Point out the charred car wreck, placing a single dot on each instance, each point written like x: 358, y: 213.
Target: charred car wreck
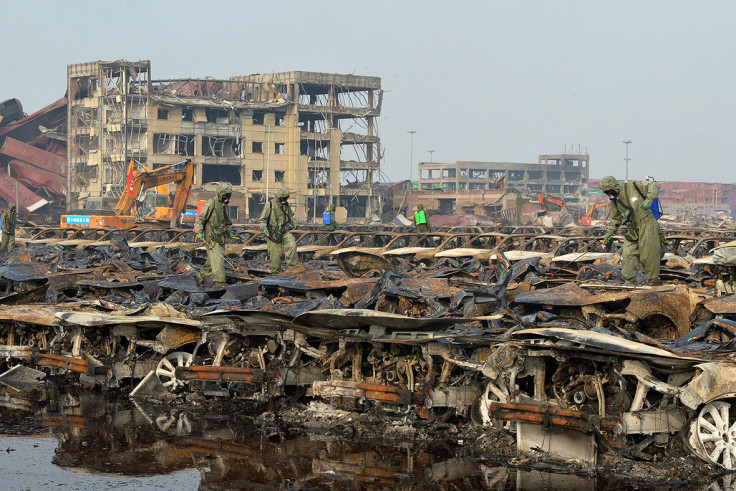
x: 559, y: 353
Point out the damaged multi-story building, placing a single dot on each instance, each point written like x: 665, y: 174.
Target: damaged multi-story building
x: 313, y: 133
x: 490, y: 187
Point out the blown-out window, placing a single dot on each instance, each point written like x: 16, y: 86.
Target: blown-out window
x: 221, y: 173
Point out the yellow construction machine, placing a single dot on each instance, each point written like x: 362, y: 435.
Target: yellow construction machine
x: 590, y: 215
x: 134, y: 207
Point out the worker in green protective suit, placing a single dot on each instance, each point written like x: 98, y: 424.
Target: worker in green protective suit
x: 212, y: 227
x: 277, y: 220
x: 7, y: 243
x: 328, y: 219
x: 420, y: 219
x: 632, y: 203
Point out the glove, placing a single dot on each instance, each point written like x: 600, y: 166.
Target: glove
x: 200, y: 237
x: 646, y: 205
x: 608, y: 238
x: 233, y: 236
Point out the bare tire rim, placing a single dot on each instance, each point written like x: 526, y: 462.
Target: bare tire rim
x: 717, y: 434
x: 166, y: 370
x: 178, y: 425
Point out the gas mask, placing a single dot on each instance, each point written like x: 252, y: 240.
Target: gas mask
x: 225, y: 198
x: 283, y: 200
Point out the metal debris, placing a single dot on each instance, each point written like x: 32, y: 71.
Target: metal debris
x: 478, y: 326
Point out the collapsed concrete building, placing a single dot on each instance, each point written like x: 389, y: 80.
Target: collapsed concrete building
x: 490, y: 188
x: 313, y: 133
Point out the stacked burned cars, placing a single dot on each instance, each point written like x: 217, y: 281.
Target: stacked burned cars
x: 534, y: 334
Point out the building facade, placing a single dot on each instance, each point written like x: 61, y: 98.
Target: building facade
x: 313, y: 133
x: 466, y: 184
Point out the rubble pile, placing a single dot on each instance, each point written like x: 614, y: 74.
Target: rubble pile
x: 33, y: 161
x: 530, y: 334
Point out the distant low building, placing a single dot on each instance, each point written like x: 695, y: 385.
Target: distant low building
x: 490, y: 188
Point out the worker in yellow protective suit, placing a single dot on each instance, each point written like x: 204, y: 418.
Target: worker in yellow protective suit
x: 632, y: 203
x: 212, y: 227
x: 8, y: 233
x: 420, y: 219
x: 277, y: 220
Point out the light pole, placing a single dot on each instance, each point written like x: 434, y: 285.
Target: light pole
x: 430, y: 152
x: 627, y: 159
x: 411, y: 158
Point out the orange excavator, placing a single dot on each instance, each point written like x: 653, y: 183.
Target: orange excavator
x: 550, y: 203
x: 590, y: 215
x: 156, y: 208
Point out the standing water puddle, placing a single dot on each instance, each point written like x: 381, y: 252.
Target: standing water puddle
x: 85, y: 441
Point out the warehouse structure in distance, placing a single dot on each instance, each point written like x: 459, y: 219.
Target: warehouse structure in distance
x: 490, y: 187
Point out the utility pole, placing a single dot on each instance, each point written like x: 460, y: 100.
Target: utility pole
x: 430, y: 152
x: 411, y: 158
x: 268, y: 158
x: 17, y: 199
x: 627, y: 159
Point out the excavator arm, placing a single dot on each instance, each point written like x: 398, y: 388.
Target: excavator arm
x: 182, y: 192
x: 590, y: 215
x: 595, y: 207
x: 546, y: 200
x: 181, y: 173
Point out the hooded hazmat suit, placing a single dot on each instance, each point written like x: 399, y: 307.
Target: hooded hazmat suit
x: 276, y: 221
x: 214, y: 223
x: 332, y: 225
x: 420, y: 219
x: 7, y: 243
x: 643, y: 240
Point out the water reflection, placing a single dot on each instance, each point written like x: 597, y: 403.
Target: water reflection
x: 230, y: 450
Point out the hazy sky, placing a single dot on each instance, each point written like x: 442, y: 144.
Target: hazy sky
x: 487, y: 81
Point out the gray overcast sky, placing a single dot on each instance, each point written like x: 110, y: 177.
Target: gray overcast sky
x: 487, y: 81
